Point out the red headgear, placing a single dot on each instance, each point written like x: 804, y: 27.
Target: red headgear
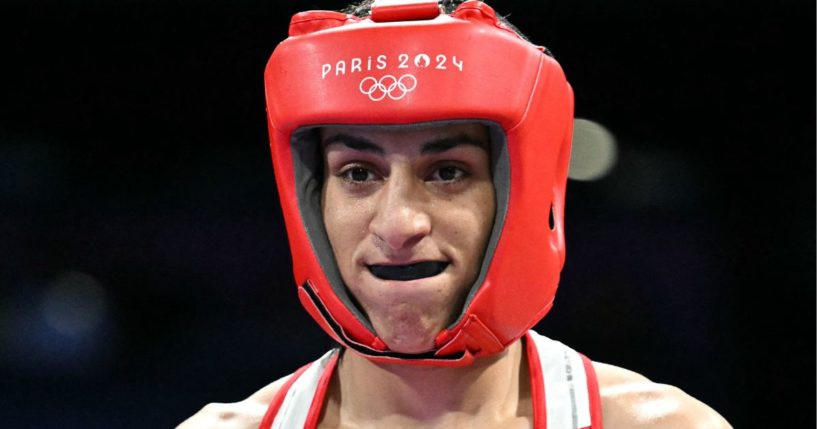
x: 408, y: 63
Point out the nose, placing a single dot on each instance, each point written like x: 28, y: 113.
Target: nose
x: 401, y: 219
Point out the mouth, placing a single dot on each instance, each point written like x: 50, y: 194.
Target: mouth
x: 408, y: 272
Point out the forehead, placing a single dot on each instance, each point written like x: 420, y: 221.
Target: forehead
x: 407, y: 135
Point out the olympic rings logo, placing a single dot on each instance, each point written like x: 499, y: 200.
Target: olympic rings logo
x: 388, y: 86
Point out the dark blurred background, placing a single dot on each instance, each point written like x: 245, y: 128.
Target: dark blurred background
x: 144, y: 267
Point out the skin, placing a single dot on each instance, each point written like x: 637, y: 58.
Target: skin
x: 399, y: 205
x: 402, y: 197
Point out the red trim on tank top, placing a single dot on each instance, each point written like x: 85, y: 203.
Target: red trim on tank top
x: 537, y: 385
x: 316, y: 406
x: 593, y: 393
x: 275, y: 405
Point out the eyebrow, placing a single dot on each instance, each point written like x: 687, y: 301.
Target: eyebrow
x: 448, y: 143
x: 354, y: 142
x: 432, y: 147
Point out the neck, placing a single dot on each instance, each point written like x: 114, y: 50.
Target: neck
x: 492, y: 390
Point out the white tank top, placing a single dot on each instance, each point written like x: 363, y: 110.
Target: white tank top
x: 564, y: 389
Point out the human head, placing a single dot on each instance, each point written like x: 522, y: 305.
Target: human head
x: 408, y: 212
x: 409, y: 65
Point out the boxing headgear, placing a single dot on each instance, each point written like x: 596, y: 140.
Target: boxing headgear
x: 406, y: 64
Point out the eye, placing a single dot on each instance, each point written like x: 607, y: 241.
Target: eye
x: 356, y: 174
x: 448, y: 173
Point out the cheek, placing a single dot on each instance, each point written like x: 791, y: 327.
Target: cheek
x: 344, y: 220
x: 333, y: 218
x: 470, y: 220
x: 483, y: 211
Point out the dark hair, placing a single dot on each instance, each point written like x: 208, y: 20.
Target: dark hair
x: 363, y: 9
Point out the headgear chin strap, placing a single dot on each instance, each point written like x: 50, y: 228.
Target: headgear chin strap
x: 408, y: 63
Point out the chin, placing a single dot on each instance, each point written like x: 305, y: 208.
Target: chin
x: 408, y: 336
x: 409, y: 345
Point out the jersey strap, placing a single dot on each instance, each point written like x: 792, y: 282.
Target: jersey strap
x: 564, y: 389
x: 302, y: 395
x: 570, y: 390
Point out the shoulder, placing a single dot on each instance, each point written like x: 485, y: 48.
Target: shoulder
x: 630, y: 400
x: 244, y: 414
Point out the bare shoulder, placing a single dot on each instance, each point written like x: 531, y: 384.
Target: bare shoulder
x: 630, y: 400
x: 243, y: 414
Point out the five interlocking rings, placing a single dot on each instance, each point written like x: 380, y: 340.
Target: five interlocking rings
x: 389, y: 86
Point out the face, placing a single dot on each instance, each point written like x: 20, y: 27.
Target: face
x: 408, y: 213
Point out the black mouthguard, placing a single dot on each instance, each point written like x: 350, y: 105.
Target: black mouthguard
x: 408, y: 272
